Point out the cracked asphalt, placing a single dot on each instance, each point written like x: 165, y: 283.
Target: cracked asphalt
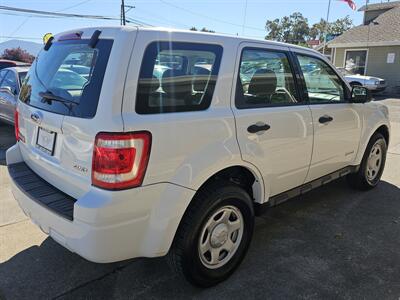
x: 333, y: 242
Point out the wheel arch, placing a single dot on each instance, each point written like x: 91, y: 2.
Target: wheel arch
x: 232, y: 172
x: 383, y: 129
x: 354, y: 82
x: 243, y: 175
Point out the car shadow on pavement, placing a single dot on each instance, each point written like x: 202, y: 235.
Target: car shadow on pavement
x: 7, y: 139
x: 333, y: 242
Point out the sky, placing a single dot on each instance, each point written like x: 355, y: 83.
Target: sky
x: 222, y: 16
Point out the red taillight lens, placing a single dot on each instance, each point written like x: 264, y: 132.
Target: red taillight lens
x: 16, y: 125
x: 120, y: 159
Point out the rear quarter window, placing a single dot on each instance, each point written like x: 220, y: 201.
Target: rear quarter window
x: 177, y: 77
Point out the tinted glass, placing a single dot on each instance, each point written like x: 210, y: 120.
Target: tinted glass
x: 265, y: 79
x: 22, y: 76
x: 177, y: 77
x: 10, y: 81
x: 6, y: 64
x: 2, y: 74
x: 322, y: 83
x: 56, y: 72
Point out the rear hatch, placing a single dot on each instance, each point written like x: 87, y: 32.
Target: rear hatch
x: 72, y: 91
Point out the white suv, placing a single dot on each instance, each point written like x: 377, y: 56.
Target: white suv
x: 171, y: 140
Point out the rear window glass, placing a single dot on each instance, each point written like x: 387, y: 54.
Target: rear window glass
x: 177, y: 77
x: 6, y: 64
x: 67, y: 79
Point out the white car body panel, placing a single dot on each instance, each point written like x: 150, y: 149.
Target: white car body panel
x: 74, y: 142
x: 187, y: 149
x: 283, y: 153
x: 336, y: 143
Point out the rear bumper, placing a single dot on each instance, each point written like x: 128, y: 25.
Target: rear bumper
x: 110, y: 226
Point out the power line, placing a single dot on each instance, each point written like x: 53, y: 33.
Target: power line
x: 29, y: 17
x: 19, y: 37
x: 138, y: 22
x: 208, y: 17
x: 57, y: 14
x: 156, y: 18
x: 73, y: 6
x: 19, y: 26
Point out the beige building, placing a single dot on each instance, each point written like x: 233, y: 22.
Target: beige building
x: 372, y: 48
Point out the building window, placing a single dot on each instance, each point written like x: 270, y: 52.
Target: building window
x: 356, y: 61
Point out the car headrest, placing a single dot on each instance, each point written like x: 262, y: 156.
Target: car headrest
x: 150, y: 85
x: 200, y: 79
x: 175, y: 83
x: 263, y: 82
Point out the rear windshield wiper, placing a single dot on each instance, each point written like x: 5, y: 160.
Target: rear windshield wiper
x: 49, y: 96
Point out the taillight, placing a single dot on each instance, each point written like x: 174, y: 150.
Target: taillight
x: 120, y: 159
x: 16, y: 125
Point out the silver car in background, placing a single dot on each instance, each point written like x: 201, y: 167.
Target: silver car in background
x: 374, y: 84
x: 10, y: 84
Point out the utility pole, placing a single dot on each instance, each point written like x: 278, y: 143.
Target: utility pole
x: 326, y: 26
x: 123, y: 19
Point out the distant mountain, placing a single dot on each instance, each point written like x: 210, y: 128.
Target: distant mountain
x: 30, y: 47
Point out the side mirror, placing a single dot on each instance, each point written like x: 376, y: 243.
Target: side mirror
x: 360, y: 94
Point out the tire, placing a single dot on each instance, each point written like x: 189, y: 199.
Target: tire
x: 367, y: 178
x: 213, y: 203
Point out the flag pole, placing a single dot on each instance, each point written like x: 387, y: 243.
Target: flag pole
x: 326, y: 26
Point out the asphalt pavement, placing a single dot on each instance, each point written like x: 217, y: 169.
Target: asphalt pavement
x: 333, y: 242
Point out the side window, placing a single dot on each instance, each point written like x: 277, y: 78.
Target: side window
x: 322, y: 83
x: 265, y: 79
x: 10, y: 81
x: 2, y: 73
x: 176, y: 77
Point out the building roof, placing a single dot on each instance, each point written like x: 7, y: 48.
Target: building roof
x: 383, y: 31
x: 379, y: 6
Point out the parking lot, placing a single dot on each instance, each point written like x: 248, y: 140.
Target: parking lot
x: 333, y: 242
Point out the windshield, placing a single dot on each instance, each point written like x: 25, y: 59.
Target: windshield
x: 71, y: 70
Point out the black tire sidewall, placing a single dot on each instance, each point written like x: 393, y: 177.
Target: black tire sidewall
x: 192, y: 265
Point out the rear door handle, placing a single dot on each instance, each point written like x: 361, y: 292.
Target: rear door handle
x: 325, y: 119
x: 258, y: 127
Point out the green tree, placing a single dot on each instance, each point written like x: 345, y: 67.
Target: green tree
x: 204, y: 29
x: 293, y: 29
x: 317, y: 31
x: 340, y: 25
x: 275, y: 30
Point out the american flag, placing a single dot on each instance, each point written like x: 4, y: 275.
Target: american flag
x: 350, y: 3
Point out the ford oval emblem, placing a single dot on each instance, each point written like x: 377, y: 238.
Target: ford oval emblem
x: 36, y: 118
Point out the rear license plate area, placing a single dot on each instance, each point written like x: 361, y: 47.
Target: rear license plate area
x: 45, y: 140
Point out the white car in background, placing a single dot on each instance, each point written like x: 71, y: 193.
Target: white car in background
x: 374, y: 84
